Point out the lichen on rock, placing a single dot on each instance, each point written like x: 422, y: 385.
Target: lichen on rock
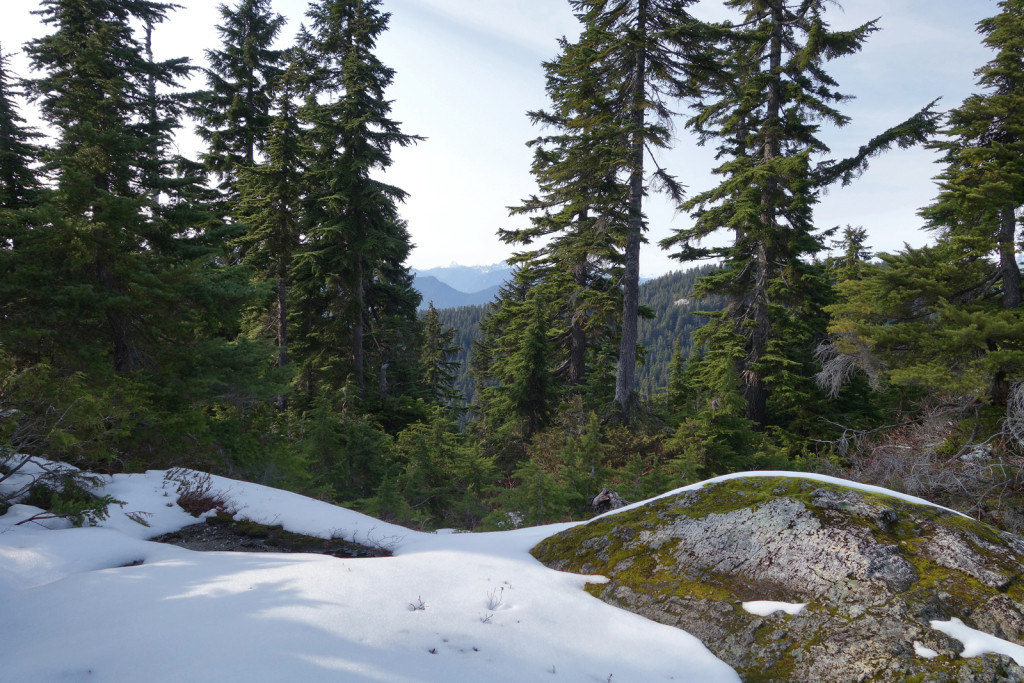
x: 873, y: 569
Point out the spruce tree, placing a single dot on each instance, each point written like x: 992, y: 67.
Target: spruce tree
x: 765, y: 109
x: 356, y: 287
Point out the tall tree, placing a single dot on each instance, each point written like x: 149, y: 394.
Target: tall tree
x: 948, y: 317
x: 270, y: 195
x: 18, y: 148
x: 358, y: 288
x: 982, y: 188
x: 19, y: 190
x: 235, y: 111
x: 95, y: 92
x: 764, y: 108
x: 641, y: 54
x: 581, y: 209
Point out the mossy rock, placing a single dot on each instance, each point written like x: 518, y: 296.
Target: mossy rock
x: 873, y: 569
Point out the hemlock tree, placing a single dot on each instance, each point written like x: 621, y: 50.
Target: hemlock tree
x: 269, y: 205
x: 235, y: 111
x: 764, y: 107
x: 358, y: 292
x: 95, y: 93
x: 640, y: 55
x: 582, y: 208
x: 948, y: 317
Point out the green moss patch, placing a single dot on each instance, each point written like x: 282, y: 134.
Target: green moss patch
x: 222, y: 532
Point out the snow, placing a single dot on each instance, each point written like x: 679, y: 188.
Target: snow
x: 977, y: 642
x: 106, y: 604
x: 791, y: 475
x: 922, y: 651
x: 763, y: 608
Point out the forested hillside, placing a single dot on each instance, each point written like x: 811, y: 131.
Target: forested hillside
x: 670, y: 298
x: 249, y: 309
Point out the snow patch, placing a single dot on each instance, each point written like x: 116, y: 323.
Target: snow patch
x: 123, y: 608
x: 763, y: 608
x: 922, y: 651
x: 978, y: 642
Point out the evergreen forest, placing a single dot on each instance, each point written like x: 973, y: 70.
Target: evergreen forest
x: 250, y: 311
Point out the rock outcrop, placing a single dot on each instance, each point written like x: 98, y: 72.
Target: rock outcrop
x: 874, y: 571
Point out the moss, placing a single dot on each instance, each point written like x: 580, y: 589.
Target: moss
x: 612, y: 546
x: 277, y: 538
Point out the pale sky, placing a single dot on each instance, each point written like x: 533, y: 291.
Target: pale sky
x: 467, y: 71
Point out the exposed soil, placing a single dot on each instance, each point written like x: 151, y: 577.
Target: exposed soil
x: 222, y: 533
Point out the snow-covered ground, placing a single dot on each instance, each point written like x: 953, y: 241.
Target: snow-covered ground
x: 104, y: 604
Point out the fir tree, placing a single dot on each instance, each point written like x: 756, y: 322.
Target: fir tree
x: 95, y: 92
x: 764, y: 107
x: 19, y: 151
x: 357, y: 290
x: 440, y: 368
x: 19, y: 192
x: 982, y: 188
x: 269, y: 208
x: 639, y: 55
x: 947, y: 317
x: 581, y: 208
x: 235, y: 112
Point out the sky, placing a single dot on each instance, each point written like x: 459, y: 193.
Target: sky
x: 467, y: 71
x: 105, y: 604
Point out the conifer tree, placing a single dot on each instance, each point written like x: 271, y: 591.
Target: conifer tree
x: 95, y: 92
x: 235, y: 111
x: 18, y: 148
x: 947, y: 317
x: 581, y: 207
x: 639, y: 55
x: 357, y: 290
x: 269, y: 208
x: 765, y: 108
x: 982, y: 188
x: 135, y: 303
x: 19, y: 191
x: 440, y: 367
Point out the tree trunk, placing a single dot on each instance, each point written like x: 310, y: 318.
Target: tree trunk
x: 124, y: 351
x: 1009, y: 273
x: 625, y: 379
x: 577, y: 334
x: 357, y: 330
x: 282, y: 334
x: 760, y: 335
x: 1009, y: 270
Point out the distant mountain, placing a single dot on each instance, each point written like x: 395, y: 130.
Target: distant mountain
x: 445, y: 296
x: 469, y: 278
